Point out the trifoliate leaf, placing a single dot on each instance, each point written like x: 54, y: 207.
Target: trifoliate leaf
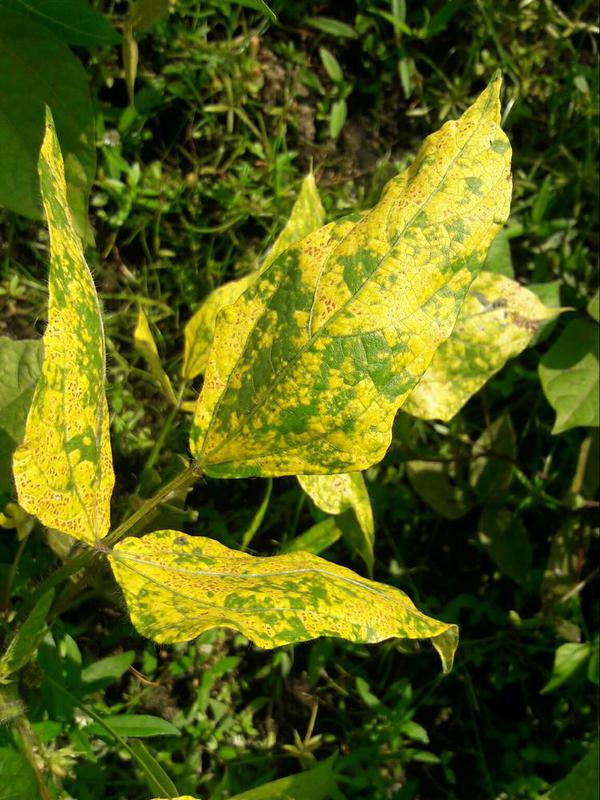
x: 63, y: 470
x: 309, y: 366
x: 496, y: 322
x: 177, y: 586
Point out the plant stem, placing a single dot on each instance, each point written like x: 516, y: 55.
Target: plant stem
x: 184, y: 479
x: 27, y: 741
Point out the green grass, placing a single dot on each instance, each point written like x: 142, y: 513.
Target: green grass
x: 192, y: 186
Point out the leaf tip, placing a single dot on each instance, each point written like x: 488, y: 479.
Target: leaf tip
x: 446, y: 643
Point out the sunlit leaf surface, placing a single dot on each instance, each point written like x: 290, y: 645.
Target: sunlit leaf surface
x: 335, y: 494
x: 496, y: 322
x: 307, y: 215
x: 63, y: 470
x: 309, y: 366
x: 177, y: 586
x: 570, y: 377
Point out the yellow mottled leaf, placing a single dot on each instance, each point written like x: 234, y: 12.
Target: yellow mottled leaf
x: 177, y: 586
x: 496, y: 322
x: 146, y: 346
x: 200, y: 329
x: 63, y: 470
x: 336, y: 494
x: 309, y: 366
x: 307, y: 215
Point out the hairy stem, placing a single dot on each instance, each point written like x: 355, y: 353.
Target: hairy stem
x: 181, y: 481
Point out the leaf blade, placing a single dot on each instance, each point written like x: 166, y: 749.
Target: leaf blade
x: 497, y: 321
x: 307, y: 214
x: 569, y: 376
x: 63, y: 469
x: 144, y: 343
x: 38, y: 69
x: 177, y: 586
x: 309, y: 329
x: 336, y: 494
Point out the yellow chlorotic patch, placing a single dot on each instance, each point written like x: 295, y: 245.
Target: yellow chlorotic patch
x: 310, y: 364
x: 177, y: 586
x: 307, y: 215
x: 146, y: 346
x: 336, y: 494
x: 498, y: 319
x: 200, y: 329
x: 63, y: 470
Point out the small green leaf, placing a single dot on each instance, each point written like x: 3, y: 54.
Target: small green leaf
x: 306, y: 216
x: 331, y: 64
x: 569, y: 376
x: 26, y: 640
x: 75, y: 22
x: 20, y: 367
x: 504, y: 538
x: 107, y: 670
x: 315, y: 539
x: 337, y: 117
x: 583, y: 782
x: 18, y: 778
x: 492, y: 459
x: 136, y: 725
x: 347, y: 320
x: 178, y: 586
x: 156, y: 777
x: 568, y: 660
x: 333, y: 27
x: 336, y: 494
x: 496, y: 322
x: 63, y: 469
x: 39, y: 70
x: 146, y: 346
x: 317, y: 783
x: 437, y: 486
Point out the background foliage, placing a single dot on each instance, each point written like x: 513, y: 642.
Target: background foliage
x: 193, y: 181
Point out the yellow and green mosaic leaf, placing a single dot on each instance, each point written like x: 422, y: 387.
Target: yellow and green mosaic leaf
x: 199, y: 331
x: 498, y: 319
x: 309, y: 366
x: 63, y: 470
x: 144, y: 343
x: 336, y: 494
x: 177, y: 586
x: 307, y: 215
